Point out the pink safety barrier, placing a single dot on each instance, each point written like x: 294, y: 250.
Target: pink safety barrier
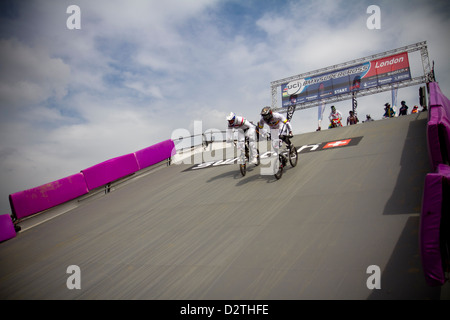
x: 435, y: 143
x: 438, y: 127
x: 31, y: 201
x: 435, y: 217
x: 434, y: 238
x: 7, y: 230
x: 110, y: 170
x: 437, y: 98
x: 155, y: 153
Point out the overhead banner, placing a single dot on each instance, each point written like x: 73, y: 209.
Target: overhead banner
x: 358, y: 77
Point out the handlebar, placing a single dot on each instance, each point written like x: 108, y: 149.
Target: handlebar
x: 284, y: 136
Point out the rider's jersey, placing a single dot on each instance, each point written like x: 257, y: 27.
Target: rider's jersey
x: 240, y: 123
x: 276, y: 122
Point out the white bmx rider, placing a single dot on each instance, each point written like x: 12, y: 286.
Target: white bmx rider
x: 245, y: 129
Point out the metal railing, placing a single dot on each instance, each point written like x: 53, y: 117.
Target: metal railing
x: 186, y: 144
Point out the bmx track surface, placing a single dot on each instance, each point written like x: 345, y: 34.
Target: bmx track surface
x: 179, y: 233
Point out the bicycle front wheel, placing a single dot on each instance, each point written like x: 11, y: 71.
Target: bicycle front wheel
x: 293, y: 156
x: 279, y: 168
x: 258, y: 160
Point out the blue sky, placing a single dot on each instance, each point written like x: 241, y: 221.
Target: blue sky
x: 137, y: 71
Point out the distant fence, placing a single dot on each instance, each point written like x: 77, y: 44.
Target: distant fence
x: 183, y: 144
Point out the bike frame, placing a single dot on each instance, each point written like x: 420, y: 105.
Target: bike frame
x: 285, y: 155
x: 244, y: 157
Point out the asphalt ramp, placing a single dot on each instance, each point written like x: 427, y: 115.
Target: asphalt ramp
x: 343, y: 224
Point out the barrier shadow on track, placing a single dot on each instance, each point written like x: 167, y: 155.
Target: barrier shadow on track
x: 402, y: 277
x: 406, y: 197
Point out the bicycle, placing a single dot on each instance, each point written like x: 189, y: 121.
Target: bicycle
x: 290, y: 153
x: 244, y: 158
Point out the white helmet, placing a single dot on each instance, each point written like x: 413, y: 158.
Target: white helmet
x: 231, y: 117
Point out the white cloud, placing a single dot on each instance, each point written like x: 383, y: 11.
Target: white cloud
x: 30, y: 75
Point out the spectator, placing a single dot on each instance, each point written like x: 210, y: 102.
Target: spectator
x: 388, y: 111
x: 415, y: 109
x: 368, y: 118
x: 403, y: 109
x: 352, y: 118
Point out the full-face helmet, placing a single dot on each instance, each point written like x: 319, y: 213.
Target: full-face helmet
x: 266, y: 113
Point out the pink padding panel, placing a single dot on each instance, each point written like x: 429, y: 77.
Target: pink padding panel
x: 434, y: 143
x: 438, y: 128
x: 7, y: 230
x: 110, y: 170
x: 444, y: 134
x: 444, y: 170
x: 156, y: 153
x: 437, y: 98
x: 430, y: 222
x: 31, y: 201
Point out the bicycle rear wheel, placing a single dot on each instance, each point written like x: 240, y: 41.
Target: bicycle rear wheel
x: 293, y: 156
x: 243, y: 169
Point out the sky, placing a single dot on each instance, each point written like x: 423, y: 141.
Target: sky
x: 139, y: 72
